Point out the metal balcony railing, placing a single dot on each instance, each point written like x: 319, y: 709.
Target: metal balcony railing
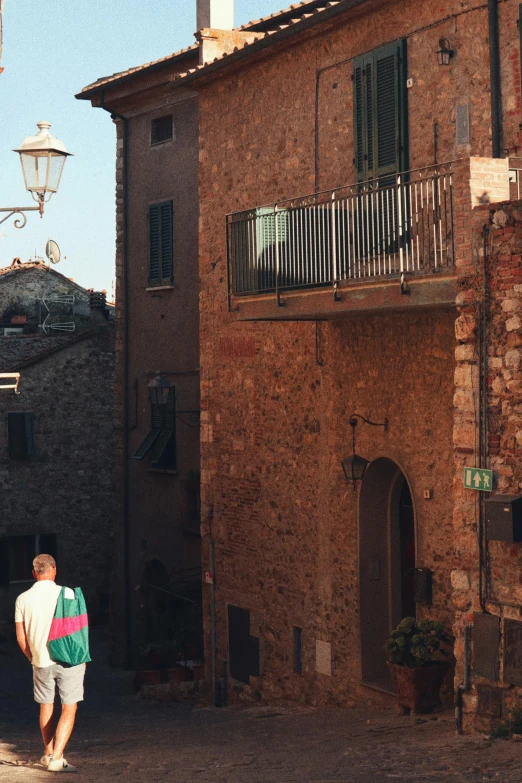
x: 398, y: 225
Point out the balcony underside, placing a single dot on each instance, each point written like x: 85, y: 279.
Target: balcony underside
x: 353, y: 298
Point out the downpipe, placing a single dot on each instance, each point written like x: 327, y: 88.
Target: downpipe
x: 126, y: 525
x: 465, y: 685
x: 494, y: 70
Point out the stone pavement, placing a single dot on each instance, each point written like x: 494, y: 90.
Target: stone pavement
x: 121, y: 737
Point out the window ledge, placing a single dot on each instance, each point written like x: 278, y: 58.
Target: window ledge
x: 155, y: 144
x: 160, y: 287
x: 174, y: 472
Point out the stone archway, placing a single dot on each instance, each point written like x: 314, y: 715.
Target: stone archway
x: 386, y: 562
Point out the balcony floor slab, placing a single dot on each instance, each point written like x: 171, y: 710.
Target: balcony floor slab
x: 353, y: 299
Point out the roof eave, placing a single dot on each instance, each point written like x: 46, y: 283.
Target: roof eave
x: 94, y: 89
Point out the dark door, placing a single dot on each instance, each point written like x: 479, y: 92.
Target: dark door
x: 407, y: 551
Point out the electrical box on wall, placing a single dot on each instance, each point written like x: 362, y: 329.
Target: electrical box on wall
x: 422, y: 586
x: 504, y: 518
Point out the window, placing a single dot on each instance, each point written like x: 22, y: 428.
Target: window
x: 380, y: 112
x: 161, y: 129
x: 18, y: 552
x: 161, y: 243
x: 20, y: 435
x: 298, y: 650
x: 161, y: 440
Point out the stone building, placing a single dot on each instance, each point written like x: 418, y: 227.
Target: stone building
x: 156, y: 598
x: 358, y: 301
x: 56, y: 433
x: 390, y: 297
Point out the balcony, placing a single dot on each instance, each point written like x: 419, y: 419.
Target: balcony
x: 366, y: 247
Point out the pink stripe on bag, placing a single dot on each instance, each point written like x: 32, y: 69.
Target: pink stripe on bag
x: 66, y: 626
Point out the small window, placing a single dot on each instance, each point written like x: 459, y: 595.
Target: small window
x: 298, y: 650
x: 161, y: 440
x: 161, y: 243
x: 20, y: 435
x: 161, y: 129
x: 18, y: 552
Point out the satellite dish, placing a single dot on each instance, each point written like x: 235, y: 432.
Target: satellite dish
x: 52, y: 251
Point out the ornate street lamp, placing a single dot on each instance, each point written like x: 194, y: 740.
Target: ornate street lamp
x: 42, y: 158
x: 355, y: 466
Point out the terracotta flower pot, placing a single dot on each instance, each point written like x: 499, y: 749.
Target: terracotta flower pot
x: 418, y: 689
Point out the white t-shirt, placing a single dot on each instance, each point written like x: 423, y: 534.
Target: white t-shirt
x: 35, y: 609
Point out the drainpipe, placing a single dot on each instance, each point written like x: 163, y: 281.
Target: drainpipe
x: 126, y: 526
x: 494, y: 69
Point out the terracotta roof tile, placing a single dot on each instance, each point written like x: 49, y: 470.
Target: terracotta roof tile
x: 289, y: 17
x: 115, y: 77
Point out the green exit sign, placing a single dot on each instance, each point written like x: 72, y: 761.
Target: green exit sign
x: 478, y: 478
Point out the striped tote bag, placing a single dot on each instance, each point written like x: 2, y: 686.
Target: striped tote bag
x: 69, y: 636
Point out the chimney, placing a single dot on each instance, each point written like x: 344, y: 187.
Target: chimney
x: 215, y: 14
x: 97, y: 307
x: 216, y: 35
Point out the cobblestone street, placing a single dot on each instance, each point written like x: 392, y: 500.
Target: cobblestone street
x: 120, y: 736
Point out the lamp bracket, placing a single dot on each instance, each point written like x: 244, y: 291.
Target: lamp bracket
x: 354, y: 422
x: 19, y: 222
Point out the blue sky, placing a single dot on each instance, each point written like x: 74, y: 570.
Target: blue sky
x: 51, y: 50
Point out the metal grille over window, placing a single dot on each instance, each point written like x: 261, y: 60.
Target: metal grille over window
x: 161, y: 440
x: 161, y: 243
x: 161, y: 129
x: 20, y: 435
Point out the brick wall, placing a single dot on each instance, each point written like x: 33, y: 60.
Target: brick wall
x: 501, y: 590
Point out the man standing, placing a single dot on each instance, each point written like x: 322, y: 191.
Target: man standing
x: 33, y: 618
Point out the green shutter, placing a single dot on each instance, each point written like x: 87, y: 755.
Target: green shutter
x: 380, y: 112
x: 166, y: 241
x: 161, y: 243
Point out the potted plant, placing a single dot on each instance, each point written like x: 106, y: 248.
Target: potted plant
x: 417, y: 673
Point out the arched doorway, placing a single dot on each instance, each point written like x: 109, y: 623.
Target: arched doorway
x: 386, y: 562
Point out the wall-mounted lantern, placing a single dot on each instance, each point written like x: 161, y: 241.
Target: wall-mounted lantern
x: 354, y: 467
x: 444, y: 53
x: 159, y: 389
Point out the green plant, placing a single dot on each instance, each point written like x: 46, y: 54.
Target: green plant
x: 414, y: 643
x: 505, y: 729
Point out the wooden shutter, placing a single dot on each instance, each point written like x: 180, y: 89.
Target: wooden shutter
x: 161, y: 243
x: 166, y: 241
x: 380, y: 112
x: 20, y: 431
x: 154, y: 244
x: 164, y: 451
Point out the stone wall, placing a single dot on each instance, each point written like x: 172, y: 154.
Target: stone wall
x: 277, y: 402
x: 497, y: 590
x: 65, y: 488
x: 23, y: 288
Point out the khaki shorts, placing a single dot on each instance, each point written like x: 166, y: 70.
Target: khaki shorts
x: 69, y: 680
